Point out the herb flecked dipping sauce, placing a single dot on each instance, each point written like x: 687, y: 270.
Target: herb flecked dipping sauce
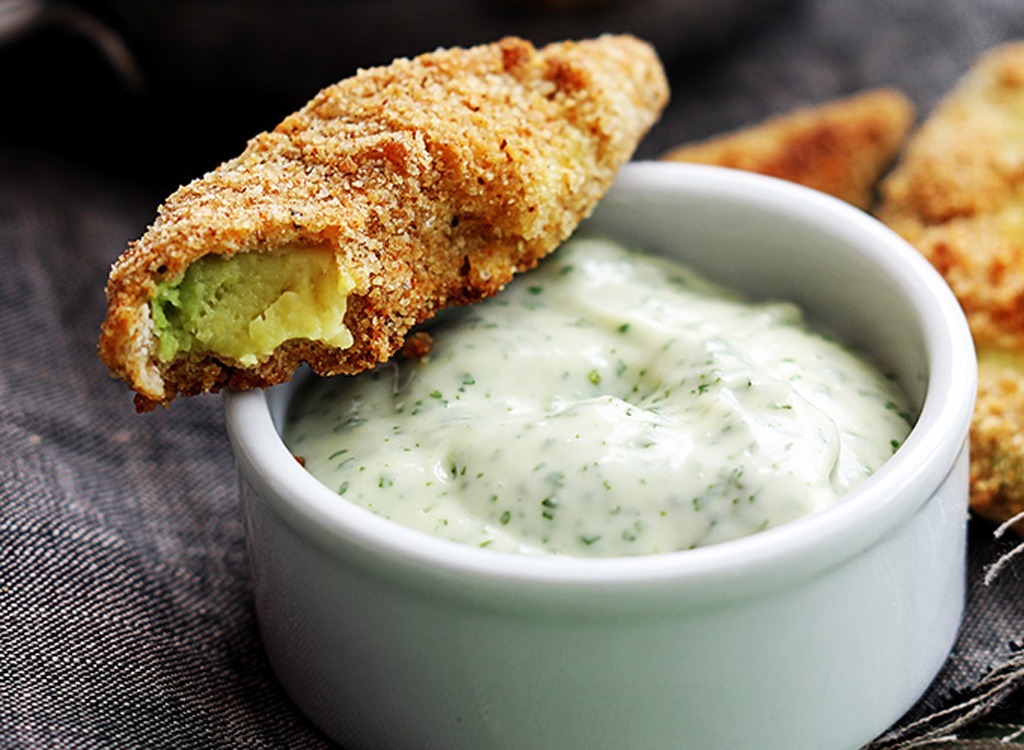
x: 607, y: 403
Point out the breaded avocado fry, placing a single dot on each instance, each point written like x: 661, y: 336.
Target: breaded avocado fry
x: 957, y: 194
x: 388, y: 197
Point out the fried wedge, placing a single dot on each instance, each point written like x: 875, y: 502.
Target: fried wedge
x: 997, y: 443
x: 391, y: 195
x: 841, y: 148
x: 957, y: 194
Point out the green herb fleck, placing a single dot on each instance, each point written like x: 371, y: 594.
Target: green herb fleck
x: 900, y: 412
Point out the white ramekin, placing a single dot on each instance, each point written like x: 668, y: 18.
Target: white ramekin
x: 817, y: 634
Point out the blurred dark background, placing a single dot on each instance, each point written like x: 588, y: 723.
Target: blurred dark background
x: 168, y: 88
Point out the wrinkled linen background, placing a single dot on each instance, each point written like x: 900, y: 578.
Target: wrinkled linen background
x: 126, y: 607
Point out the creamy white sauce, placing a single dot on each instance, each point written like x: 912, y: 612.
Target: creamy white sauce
x: 608, y: 403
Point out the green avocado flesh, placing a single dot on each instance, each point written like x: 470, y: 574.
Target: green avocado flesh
x: 241, y: 307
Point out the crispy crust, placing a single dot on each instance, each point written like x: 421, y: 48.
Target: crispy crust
x: 997, y: 444
x: 434, y: 180
x: 958, y: 191
x: 957, y: 195
x: 841, y: 147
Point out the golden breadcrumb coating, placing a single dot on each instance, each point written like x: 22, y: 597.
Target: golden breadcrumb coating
x: 957, y: 194
x: 433, y: 180
x: 841, y: 147
x: 997, y: 444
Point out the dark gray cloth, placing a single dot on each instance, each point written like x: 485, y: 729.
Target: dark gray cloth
x: 126, y: 612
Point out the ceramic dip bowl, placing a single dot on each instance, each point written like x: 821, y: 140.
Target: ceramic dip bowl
x: 816, y: 634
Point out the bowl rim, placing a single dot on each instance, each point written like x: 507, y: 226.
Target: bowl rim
x: 798, y: 548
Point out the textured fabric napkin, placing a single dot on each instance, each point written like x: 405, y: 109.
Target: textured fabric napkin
x: 126, y: 611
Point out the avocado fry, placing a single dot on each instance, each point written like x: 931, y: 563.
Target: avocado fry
x: 957, y: 195
x: 388, y: 197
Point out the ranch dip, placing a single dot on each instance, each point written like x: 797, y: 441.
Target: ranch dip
x: 607, y: 403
